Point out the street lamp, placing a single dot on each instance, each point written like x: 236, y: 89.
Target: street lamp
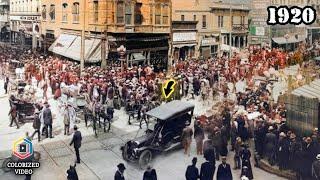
x: 286, y: 36
x: 121, y: 51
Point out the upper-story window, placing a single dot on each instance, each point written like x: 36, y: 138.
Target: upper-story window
x: 76, y: 12
x: 95, y: 11
x: 158, y: 14
x: 44, y: 12
x: 165, y: 14
x: 64, y: 12
x: 220, y: 21
x: 137, y: 14
x: 204, y: 21
x: 182, y: 17
x: 120, y: 12
x: 52, y: 12
x: 128, y: 13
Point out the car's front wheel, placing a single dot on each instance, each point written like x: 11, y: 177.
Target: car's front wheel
x: 145, y: 158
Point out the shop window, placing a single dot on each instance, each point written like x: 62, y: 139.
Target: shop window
x: 64, y: 12
x: 52, y: 13
x: 137, y: 14
x: 76, y: 12
x: 120, y: 12
x: 214, y: 49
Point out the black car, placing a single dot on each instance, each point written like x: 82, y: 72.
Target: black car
x: 171, y: 119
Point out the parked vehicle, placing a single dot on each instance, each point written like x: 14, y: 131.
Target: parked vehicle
x: 171, y: 119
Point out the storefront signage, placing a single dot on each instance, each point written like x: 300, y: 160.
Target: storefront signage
x: 184, y: 36
x: 25, y: 18
x: 207, y: 42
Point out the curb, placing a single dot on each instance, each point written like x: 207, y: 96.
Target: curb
x: 275, y: 170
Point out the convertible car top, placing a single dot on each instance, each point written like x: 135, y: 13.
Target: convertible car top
x: 170, y: 110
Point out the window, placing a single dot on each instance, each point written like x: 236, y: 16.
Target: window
x: 214, y: 49
x: 204, y: 21
x: 128, y: 13
x: 231, y: 20
x: 137, y: 13
x: 151, y: 14
x: 64, y: 12
x: 194, y: 17
x: 52, y: 12
x: 182, y: 17
x: 220, y: 21
x: 95, y: 11
x: 44, y: 12
x: 75, y: 12
x: 242, y: 20
x: 165, y: 14
x: 120, y: 12
x: 158, y: 14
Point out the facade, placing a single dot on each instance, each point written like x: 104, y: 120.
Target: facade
x: 184, y: 39
x: 215, y: 23
x: 25, y: 22
x: 142, y: 26
x: 4, y: 20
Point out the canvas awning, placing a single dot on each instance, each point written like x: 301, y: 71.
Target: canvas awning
x: 225, y: 47
x: 291, y: 39
x: 70, y: 46
x: 138, y: 57
x: 184, y: 45
x: 170, y: 110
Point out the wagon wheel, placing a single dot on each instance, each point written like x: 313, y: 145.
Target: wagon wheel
x: 4, y: 165
x: 145, y: 158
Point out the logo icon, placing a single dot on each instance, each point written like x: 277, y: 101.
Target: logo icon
x: 168, y: 88
x: 22, y: 148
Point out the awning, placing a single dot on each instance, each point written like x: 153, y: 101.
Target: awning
x: 225, y: 47
x: 70, y: 46
x: 138, y: 57
x: 291, y: 39
x: 184, y: 45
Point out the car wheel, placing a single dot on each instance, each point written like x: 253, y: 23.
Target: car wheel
x: 145, y: 158
x: 125, y: 152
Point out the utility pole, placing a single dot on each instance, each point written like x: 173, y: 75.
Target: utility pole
x: 230, y: 32
x: 82, y: 50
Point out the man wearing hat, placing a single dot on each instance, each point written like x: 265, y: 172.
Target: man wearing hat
x: 119, y: 174
x: 47, y: 118
x: 36, y: 124
x: 283, y: 151
x: 76, y: 141
x: 316, y: 168
x: 270, y: 145
x: 224, y: 170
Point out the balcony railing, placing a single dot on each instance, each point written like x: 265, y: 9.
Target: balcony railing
x: 240, y: 27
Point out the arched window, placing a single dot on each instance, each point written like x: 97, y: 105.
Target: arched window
x: 120, y: 12
x: 158, y: 14
x: 76, y: 12
x: 165, y: 14
x: 64, y: 12
x: 128, y: 13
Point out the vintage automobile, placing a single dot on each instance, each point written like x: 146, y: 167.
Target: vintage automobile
x: 171, y: 119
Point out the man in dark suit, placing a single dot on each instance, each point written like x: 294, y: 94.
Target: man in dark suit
x: 207, y: 170
x: 47, y: 118
x: 76, y: 141
x: 224, y: 170
x: 192, y: 172
x: 119, y: 174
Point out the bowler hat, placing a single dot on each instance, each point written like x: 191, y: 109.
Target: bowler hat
x: 121, y: 166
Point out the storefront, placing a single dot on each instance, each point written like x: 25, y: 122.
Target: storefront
x: 209, y: 47
x: 25, y: 30
x: 184, y: 44
x: 289, y: 43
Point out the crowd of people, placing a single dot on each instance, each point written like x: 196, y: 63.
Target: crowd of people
x: 138, y: 89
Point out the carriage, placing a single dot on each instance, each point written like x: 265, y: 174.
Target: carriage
x: 171, y: 119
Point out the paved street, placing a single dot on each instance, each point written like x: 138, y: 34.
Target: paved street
x: 99, y: 156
